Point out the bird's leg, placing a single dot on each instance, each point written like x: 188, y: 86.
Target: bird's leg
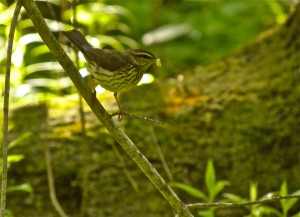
x: 120, y: 110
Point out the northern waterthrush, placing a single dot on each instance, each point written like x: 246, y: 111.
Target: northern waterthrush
x: 116, y: 71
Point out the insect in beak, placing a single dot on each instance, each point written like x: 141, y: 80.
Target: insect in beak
x: 158, y: 62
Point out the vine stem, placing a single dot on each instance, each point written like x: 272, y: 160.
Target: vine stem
x: 6, y: 107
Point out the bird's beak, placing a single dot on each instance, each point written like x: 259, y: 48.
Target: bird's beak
x: 158, y: 62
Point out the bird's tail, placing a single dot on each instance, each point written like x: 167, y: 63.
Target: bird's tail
x: 78, y: 40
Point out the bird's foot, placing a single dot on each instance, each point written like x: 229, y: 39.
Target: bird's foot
x: 120, y: 115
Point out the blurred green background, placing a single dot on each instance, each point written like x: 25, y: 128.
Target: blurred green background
x: 246, y: 122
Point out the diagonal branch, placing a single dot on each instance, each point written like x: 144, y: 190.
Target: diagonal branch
x: 33, y: 12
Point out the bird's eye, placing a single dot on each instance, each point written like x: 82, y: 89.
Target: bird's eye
x: 145, y: 56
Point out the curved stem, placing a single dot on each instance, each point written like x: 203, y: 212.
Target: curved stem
x: 51, y: 183
x: 6, y: 107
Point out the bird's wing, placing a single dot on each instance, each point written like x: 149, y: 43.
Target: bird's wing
x: 107, y: 59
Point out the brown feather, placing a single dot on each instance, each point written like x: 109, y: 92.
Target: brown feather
x: 111, y: 60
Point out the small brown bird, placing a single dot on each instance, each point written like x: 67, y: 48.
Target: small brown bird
x: 116, y: 71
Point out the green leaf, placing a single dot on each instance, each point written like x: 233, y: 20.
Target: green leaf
x: 24, y: 187
x: 210, y: 177
x: 219, y: 187
x: 296, y: 215
x: 287, y: 204
x: 283, y: 188
x: 253, y: 191
x: 283, y: 191
x: 206, y: 213
x: 234, y: 198
x: 15, y: 158
x: 267, y: 210
x: 19, y: 140
x: 190, y: 190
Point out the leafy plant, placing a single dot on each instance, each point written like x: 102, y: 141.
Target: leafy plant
x: 213, y: 187
x: 258, y: 210
x: 287, y: 204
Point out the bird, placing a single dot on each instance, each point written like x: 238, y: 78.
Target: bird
x: 114, y: 70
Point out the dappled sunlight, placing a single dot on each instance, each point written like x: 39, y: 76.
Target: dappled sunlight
x: 23, y: 90
x: 99, y: 89
x: 17, y: 57
x: 168, y: 33
x: 30, y: 38
x: 227, y: 93
x: 146, y: 79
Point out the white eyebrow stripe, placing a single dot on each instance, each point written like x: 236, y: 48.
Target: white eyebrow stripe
x: 144, y: 54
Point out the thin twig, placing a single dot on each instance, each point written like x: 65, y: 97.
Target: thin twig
x: 51, y: 183
x: 126, y: 171
x: 161, y: 155
x: 136, y: 116
x: 6, y: 107
x: 221, y: 204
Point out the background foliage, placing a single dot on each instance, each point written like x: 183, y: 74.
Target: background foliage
x: 247, y: 122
